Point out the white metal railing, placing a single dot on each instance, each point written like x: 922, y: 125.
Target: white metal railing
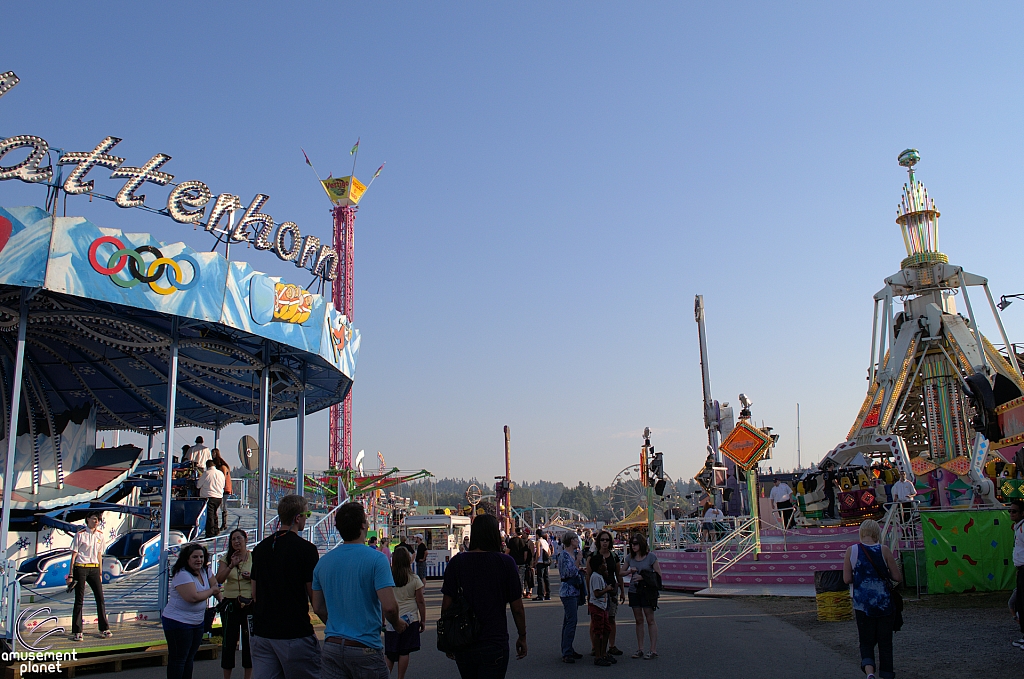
x: 694, y: 533
x: 727, y: 551
x: 901, y: 532
x: 10, y: 600
x: 323, y: 532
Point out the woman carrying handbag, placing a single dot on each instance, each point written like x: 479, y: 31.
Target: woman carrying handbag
x: 478, y: 586
x: 234, y: 571
x: 870, y: 568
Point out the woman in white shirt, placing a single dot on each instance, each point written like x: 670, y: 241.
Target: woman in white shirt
x: 411, y: 607
x: 192, y: 585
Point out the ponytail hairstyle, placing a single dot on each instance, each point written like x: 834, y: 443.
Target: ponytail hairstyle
x: 401, y: 567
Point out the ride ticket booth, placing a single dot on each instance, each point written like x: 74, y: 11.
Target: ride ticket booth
x: 442, y: 536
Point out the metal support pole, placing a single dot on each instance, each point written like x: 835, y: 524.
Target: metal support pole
x: 300, y: 437
x: 264, y: 436
x: 874, y: 343
x: 12, y: 423
x: 165, y: 505
x: 974, y: 323
x: 755, y: 510
x: 216, y: 437
x: 1002, y: 331
x: 149, y: 444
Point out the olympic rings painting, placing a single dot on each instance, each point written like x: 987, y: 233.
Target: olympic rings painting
x: 141, y: 271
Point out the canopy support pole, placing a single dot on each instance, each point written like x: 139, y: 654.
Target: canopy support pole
x: 12, y: 421
x: 149, y: 445
x: 165, y: 505
x: 264, y: 440
x: 216, y: 436
x: 300, y: 436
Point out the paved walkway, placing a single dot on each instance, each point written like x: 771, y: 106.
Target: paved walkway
x: 700, y: 637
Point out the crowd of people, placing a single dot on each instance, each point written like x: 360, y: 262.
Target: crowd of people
x: 358, y: 591
x: 374, y: 610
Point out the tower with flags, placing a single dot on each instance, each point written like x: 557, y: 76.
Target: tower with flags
x: 345, y: 193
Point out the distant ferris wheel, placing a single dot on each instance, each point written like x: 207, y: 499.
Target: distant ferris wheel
x: 626, y: 493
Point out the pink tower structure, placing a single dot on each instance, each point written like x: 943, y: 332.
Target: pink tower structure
x: 343, y: 288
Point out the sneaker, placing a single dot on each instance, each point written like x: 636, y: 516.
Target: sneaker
x: 1019, y: 643
x: 106, y: 634
x: 576, y: 655
x: 638, y: 654
x: 614, y: 651
x: 538, y: 598
x: 547, y: 598
x: 611, y: 659
x: 77, y: 637
x: 651, y: 656
x: 602, y: 662
x: 568, y: 659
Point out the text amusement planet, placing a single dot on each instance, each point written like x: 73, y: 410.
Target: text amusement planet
x: 186, y: 203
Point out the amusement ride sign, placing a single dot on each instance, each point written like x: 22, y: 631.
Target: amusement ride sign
x: 746, y: 445
x: 186, y: 204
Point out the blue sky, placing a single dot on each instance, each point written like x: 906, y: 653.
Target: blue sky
x: 561, y: 179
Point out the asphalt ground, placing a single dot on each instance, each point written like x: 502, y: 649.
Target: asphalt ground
x: 699, y: 638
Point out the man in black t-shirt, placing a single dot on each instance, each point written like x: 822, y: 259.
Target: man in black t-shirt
x: 283, y: 643
x: 421, y: 558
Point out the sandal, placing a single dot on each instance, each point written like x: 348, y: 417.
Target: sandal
x: 637, y: 655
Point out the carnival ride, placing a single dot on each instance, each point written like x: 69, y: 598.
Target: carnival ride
x: 627, y: 494
x: 131, y: 553
x: 941, y: 397
x: 102, y: 329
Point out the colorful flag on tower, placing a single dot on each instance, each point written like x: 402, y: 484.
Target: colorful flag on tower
x: 354, y: 148
x: 305, y: 156
x: 377, y: 173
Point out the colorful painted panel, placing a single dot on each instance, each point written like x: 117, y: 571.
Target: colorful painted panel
x: 135, y: 270
x: 968, y: 551
x: 24, y: 243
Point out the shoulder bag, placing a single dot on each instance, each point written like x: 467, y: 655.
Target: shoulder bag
x: 894, y: 594
x: 458, y: 627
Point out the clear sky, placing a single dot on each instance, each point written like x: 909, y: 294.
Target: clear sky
x: 561, y: 179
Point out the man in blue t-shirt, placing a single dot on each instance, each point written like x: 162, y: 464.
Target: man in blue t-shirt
x: 352, y: 586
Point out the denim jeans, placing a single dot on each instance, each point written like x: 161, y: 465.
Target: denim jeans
x: 483, y: 661
x: 351, y: 662
x: 182, y: 643
x: 872, y: 631
x: 569, y: 624
x: 543, y: 581
x: 285, y: 658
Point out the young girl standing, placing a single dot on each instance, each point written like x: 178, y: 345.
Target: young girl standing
x: 411, y: 608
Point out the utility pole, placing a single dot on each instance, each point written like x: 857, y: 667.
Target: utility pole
x: 645, y: 478
x: 798, y: 465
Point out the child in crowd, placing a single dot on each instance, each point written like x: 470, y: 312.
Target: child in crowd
x: 600, y: 628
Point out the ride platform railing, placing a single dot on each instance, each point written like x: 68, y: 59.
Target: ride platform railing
x: 726, y: 552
